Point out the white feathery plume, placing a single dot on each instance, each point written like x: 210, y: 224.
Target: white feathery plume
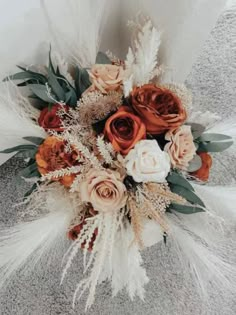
x: 204, y: 256
x: 220, y: 200
x: 114, y: 257
x: 72, y: 41
x: 204, y: 242
x: 141, y: 60
x: 127, y: 270
x: 17, y: 118
x: 22, y: 245
x: 227, y: 127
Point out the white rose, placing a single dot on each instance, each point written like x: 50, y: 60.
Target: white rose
x: 146, y: 162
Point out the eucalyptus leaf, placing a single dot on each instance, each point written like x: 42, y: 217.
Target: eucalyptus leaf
x: 195, y: 164
x: 197, y: 129
x: 28, y: 82
x: 30, y: 191
x: 187, y: 194
x: 102, y: 58
x: 37, y: 75
x: 23, y: 147
x: 186, y: 209
x: 214, y: 146
x: 213, y: 137
x: 71, y: 97
x: 50, y: 61
x: 20, y: 76
x: 41, y: 92
x: 54, y: 84
x: 82, y: 81
x: 177, y: 179
x: 35, y: 140
x: 196, y: 145
x: 27, y: 153
x: 30, y: 171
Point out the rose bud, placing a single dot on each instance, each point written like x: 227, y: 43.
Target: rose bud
x: 159, y: 108
x: 73, y: 234
x: 203, y: 172
x: 49, y: 118
x: 124, y: 129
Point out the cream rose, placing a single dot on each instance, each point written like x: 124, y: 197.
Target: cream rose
x: 147, y: 162
x: 181, y: 148
x: 106, y: 78
x: 104, y: 190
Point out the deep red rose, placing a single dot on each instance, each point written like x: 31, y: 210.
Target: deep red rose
x: 49, y: 118
x: 73, y: 233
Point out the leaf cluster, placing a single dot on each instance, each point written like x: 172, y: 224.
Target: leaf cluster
x: 181, y: 186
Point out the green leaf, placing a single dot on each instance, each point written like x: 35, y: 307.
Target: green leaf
x: 27, y: 74
x: 195, y: 164
x: 187, y: 194
x: 30, y: 191
x: 27, y: 153
x: 20, y: 76
x: 186, y: 209
x: 214, y: 146
x: 30, y: 171
x: 177, y: 179
x: 28, y: 82
x: 213, y: 137
x: 54, y: 84
x: 196, y: 145
x: 50, y: 61
x: 41, y: 92
x: 102, y: 58
x: 197, y: 129
x: 82, y: 82
x: 23, y: 147
x: 71, y: 98
x: 39, y: 76
x: 35, y: 140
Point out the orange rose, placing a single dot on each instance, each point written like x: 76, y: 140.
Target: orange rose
x: 159, y: 108
x: 51, y: 156
x: 124, y: 130
x: 204, y: 170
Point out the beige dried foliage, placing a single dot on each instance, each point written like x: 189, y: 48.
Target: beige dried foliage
x: 95, y: 106
x: 150, y: 201
x: 136, y: 221
x: 155, y: 190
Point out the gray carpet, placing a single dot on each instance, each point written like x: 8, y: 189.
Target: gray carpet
x: 213, y: 81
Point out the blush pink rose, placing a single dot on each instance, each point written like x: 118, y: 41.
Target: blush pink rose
x: 181, y: 148
x: 104, y: 189
x: 106, y: 78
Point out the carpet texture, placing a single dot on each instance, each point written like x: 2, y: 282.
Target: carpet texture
x: 213, y: 82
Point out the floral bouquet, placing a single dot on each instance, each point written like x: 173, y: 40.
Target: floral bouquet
x: 118, y: 160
